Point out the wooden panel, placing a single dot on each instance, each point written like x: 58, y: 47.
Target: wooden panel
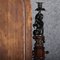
x: 15, y: 30
x: 11, y: 30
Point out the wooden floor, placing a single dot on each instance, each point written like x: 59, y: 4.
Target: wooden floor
x: 14, y: 45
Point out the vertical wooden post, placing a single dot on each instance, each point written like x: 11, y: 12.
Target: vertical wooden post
x: 28, y: 30
x: 15, y: 30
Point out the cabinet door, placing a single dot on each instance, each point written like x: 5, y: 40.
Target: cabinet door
x: 15, y: 30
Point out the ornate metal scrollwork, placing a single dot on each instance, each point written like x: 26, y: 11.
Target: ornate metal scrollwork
x: 38, y: 35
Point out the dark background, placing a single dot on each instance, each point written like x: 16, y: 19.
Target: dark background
x: 51, y: 27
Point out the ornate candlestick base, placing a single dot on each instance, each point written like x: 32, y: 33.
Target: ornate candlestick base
x: 38, y: 35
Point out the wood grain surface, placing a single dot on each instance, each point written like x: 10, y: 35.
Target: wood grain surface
x: 28, y: 30
x: 15, y: 30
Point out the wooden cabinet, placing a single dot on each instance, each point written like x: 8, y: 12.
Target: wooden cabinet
x: 15, y: 30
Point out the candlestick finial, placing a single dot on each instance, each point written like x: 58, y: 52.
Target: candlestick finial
x: 40, y: 6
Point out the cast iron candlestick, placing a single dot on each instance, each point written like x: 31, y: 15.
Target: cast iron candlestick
x: 38, y: 35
